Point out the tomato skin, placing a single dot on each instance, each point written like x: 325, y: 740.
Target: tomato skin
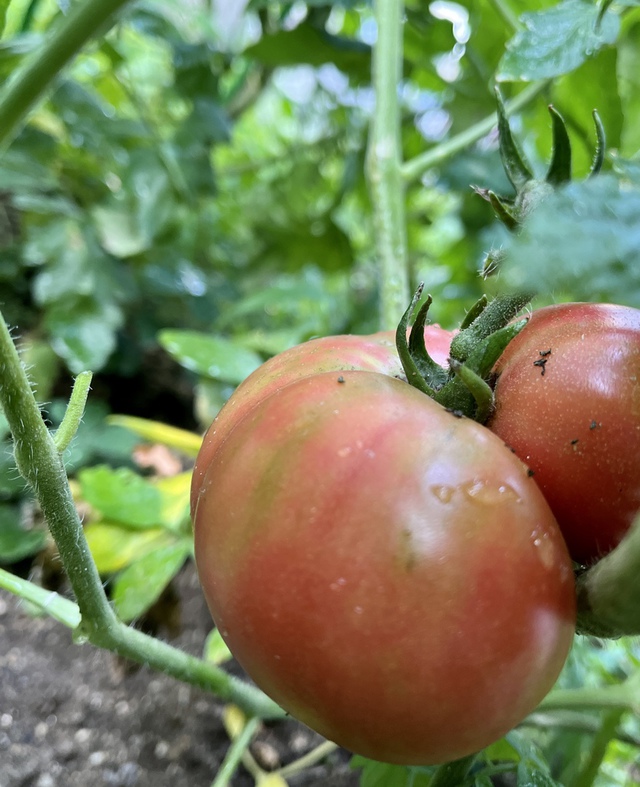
x: 387, y: 572
x: 577, y: 425
x: 374, y: 353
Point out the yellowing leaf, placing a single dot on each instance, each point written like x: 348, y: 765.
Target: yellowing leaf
x: 156, y: 432
x: 113, y: 547
x: 234, y: 721
x: 270, y: 780
x: 175, y: 491
x: 215, y: 648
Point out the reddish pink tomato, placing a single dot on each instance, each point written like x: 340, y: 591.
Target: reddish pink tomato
x: 568, y: 402
x: 386, y: 571
x: 375, y: 353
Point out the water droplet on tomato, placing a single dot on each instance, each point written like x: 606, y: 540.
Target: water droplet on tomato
x: 443, y: 492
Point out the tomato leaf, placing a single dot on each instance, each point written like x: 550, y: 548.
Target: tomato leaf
x: 215, y: 648
x: 380, y: 774
x: 556, y: 41
x: 585, y: 239
x: 141, y: 583
x: 210, y: 356
x: 17, y: 542
x: 122, y: 496
x: 113, y: 548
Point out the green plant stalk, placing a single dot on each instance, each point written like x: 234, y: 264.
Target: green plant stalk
x: 74, y: 412
x: 620, y: 697
x: 575, y: 721
x: 40, y: 463
x: 36, y: 76
x: 384, y: 163
x: 443, y: 151
x: 609, y: 592
x: 598, y: 749
x: 508, y: 16
x: 234, y: 754
x: 53, y: 604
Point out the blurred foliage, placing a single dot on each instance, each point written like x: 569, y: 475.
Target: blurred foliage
x: 190, y: 199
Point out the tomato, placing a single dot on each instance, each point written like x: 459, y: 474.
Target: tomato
x: 375, y: 353
x: 568, y: 402
x: 386, y: 571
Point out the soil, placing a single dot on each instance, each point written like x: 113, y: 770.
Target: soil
x: 74, y: 716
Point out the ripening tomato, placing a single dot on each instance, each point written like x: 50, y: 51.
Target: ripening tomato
x: 568, y: 402
x: 386, y: 571
x: 374, y: 353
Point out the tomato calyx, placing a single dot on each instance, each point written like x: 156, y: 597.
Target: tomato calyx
x: 464, y: 387
x: 530, y: 191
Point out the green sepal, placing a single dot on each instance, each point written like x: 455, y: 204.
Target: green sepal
x: 433, y: 373
x: 477, y: 387
x: 495, y: 316
x: 560, y: 167
x: 475, y: 311
x: 601, y: 145
x: 515, y: 165
x: 414, y: 377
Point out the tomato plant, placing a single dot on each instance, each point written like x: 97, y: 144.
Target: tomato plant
x: 374, y: 353
x: 568, y: 402
x: 386, y: 571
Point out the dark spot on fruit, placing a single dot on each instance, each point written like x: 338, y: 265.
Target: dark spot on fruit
x: 341, y: 379
x: 530, y: 472
x: 541, y: 362
x: 575, y: 442
x: 594, y: 425
x: 544, y: 353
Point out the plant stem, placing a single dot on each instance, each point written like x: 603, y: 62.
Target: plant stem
x: 609, y: 591
x: 234, y: 754
x: 625, y: 696
x: 452, y: 774
x: 307, y: 760
x: 575, y: 721
x: 504, y: 10
x: 53, y: 604
x: 384, y: 165
x: 598, y: 749
x: 34, y: 79
x: 40, y: 463
x: 416, y: 167
x: 74, y: 412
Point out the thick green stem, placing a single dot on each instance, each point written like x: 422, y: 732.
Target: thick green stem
x: 609, y: 591
x: 34, y: 79
x: 53, y: 604
x: 384, y: 161
x: 598, y: 749
x: 41, y: 465
x: 416, y: 167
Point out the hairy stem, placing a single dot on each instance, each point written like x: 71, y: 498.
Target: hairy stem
x: 74, y: 412
x: 33, y: 80
x: 384, y: 165
x: 416, y: 167
x: 40, y: 463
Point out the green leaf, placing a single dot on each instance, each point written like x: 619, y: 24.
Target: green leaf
x: 141, y: 583
x: 215, y: 648
x: 584, y: 240
x: 17, y: 542
x: 380, y: 774
x: 556, y: 41
x: 83, y: 332
x: 308, y: 45
x: 122, y: 496
x: 113, y: 547
x: 210, y: 356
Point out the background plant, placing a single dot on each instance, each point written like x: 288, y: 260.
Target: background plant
x: 190, y: 196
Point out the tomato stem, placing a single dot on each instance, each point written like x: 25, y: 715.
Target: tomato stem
x: 609, y: 591
x: 33, y: 80
x: 74, y: 412
x: 40, y: 463
x: 384, y: 161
